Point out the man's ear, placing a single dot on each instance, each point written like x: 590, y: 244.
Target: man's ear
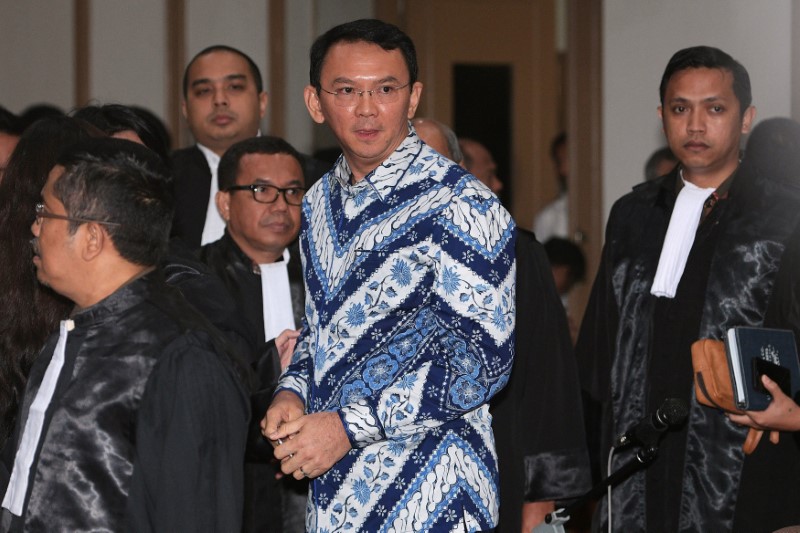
x: 94, y: 239
x: 413, y: 102
x: 313, y: 104
x: 748, y: 118
x: 263, y: 100
x: 183, y: 108
x: 223, y: 201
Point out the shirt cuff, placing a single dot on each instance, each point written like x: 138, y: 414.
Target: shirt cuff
x: 361, y: 424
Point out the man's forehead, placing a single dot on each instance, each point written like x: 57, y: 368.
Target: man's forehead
x: 347, y: 57
x: 218, y: 64
x: 54, y: 175
x: 715, y: 80
x: 270, y: 167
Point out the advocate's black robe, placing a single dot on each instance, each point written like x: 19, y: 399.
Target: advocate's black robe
x: 192, y: 185
x: 147, y: 426
x: 271, y: 505
x: 243, y: 284
x: 537, y: 417
x: 742, y: 251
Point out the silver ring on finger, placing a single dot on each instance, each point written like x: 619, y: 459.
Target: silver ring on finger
x: 303, y: 472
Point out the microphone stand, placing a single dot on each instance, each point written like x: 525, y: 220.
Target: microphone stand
x: 554, y: 522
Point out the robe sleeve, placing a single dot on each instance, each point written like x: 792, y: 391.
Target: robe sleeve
x: 190, y: 441
x: 594, y: 352
x: 537, y: 418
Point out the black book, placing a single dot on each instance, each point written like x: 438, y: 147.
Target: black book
x: 753, y: 352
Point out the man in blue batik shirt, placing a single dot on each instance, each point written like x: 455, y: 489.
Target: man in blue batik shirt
x: 409, y: 327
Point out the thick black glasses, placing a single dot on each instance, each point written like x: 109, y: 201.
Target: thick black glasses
x: 41, y: 214
x: 267, y: 194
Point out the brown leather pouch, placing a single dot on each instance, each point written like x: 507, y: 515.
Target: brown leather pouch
x: 712, y: 383
x: 712, y: 376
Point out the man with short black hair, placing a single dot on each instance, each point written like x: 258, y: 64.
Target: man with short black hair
x: 479, y: 161
x: 687, y: 256
x: 261, y: 188
x: 409, y: 269
x: 223, y: 102
x: 134, y: 416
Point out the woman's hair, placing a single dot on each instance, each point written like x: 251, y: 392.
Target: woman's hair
x: 29, y: 311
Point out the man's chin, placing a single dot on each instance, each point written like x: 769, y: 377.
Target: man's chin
x: 40, y: 277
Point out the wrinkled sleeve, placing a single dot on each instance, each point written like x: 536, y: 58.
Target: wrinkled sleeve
x: 594, y: 353
x: 594, y: 348
x: 470, y: 327
x: 190, y: 440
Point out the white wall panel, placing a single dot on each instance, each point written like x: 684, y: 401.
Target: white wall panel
x: 128, y: 54
x: 36, y: 53
x: 300, y: 33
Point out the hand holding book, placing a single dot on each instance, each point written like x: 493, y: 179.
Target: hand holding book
x: 782, y: 414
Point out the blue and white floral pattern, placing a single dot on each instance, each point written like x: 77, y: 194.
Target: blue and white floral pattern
x: 409, y: 332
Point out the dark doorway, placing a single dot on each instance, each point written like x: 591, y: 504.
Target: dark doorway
x: 482, y: 111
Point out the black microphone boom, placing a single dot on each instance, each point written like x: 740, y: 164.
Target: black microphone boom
x: 649, y: 429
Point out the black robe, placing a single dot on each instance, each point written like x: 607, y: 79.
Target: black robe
x: 537, y: 417
x: 147, y: 425
x: 270, y: 505
x: 192, y: 184
x: 740, y: 250
x: 235, y: 270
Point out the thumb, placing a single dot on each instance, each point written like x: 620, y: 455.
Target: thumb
x: 770, y: 385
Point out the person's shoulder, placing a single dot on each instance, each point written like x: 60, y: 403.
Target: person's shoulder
x: 189, y: 157
x: 526, y: 238
x: 192, y: 365
x: 213, y: 251
x: 317, y: 189
x: 186, y: 328
x: 474, y: 213
x: 646, y: 194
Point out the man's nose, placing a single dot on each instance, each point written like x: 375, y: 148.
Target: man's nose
x: 280, y: 203
x: 36, y: 227
x: 696, y: 121
x: 220, y: 96
x: 365, y: 105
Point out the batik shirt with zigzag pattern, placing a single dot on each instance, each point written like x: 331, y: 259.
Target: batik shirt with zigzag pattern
x: 409, y: 331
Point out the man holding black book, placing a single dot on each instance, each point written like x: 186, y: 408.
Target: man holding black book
x: 688, y: 256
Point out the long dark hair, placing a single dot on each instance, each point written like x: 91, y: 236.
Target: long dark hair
x: 29, y: 311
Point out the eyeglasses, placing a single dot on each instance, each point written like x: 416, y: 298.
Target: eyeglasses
x: 348, y: 96
x: 41, y: 213
x: 267, y: 194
